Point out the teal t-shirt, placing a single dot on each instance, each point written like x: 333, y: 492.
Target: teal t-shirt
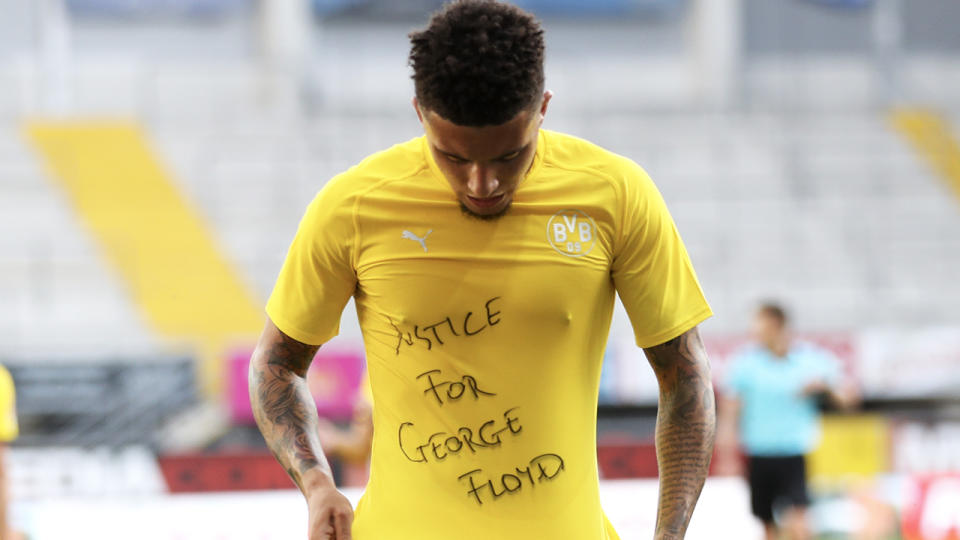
x: 776, y: 419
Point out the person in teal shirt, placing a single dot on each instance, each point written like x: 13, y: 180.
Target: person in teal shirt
x: 771, y: 410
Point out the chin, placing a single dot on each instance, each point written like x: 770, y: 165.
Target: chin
x: 486, y: 215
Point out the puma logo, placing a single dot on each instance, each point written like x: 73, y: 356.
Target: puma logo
x: 422, y: 241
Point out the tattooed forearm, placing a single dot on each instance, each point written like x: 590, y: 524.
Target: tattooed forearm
x: 686, y: 426
x: 282, y: 404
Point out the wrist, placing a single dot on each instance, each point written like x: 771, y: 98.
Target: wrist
x: 316, y: 479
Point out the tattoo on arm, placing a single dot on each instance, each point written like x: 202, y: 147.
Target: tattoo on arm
x: 282, y: 404
x: 686, y: 427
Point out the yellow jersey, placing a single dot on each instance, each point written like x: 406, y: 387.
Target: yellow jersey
x: 484, y: 339
x: 9, y: 429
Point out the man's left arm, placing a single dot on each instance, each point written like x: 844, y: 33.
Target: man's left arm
x: 843, y: 396
x: 686, y: 427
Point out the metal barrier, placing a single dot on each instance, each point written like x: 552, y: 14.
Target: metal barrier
x: 100, y: 403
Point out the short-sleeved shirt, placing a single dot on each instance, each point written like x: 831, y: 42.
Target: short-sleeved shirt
x: 9, y: 429
x: 484, y: 338
x: 776, y: 419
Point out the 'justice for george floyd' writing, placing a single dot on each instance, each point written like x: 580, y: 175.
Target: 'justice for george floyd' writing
x: 490, y: 435
x: 442, y: 444
x: 467, y: 325
x: 452, y: 390
x: 541, y: 468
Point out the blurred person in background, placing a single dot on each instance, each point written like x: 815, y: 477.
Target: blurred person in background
x: 770, y: 410
x: 351, y: 444
x: 8, y: 432
x: 484, y: 337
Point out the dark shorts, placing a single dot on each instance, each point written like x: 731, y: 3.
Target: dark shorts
x: 775, y: 483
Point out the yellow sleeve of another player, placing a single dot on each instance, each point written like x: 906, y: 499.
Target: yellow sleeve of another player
x: 651, y: 269
x: 317, y: 278
x: 9, y: 429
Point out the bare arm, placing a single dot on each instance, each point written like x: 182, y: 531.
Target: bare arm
x: 287, y: 417
x: 728, y: 418
x: 686, y: 426
x: 728, y: 436
x: 353, y: 443
x: 282, y: 405
x: 843, y: 396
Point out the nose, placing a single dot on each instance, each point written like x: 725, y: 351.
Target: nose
x: 482, y: 182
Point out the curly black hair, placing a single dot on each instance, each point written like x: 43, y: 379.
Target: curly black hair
x: 478, y: 62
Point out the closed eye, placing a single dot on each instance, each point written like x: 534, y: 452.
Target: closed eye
x: 457, y: 160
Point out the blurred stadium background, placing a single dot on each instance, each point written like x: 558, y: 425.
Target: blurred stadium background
x: 156, y: 156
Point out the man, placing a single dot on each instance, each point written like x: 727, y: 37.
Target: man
x: 351, y: 444
x: 484, y: 258
x: 770, y: 408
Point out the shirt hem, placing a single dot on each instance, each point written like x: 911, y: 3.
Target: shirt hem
x: 665, y: 336
x: 303, y: 336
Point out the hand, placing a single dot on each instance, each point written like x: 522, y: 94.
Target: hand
x: 814, y: 387
x: 331, y: 515
x: 847, y: 397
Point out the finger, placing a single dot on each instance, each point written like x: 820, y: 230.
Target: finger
x: 322, y: 528
x: 343, y: 519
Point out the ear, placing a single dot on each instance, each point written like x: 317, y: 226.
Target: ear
x: 416, y: 107
x: 547, y: 96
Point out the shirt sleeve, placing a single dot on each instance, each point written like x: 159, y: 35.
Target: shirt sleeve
x: 318, y: 276
x: 9, y: 428
x: 651, y: 269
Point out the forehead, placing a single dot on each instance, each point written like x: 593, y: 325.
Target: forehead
x: 480, y: 143
x: 766, y: 316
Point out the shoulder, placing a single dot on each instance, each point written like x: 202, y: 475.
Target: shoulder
x: 572, y: 153
x: 745, y: 356
x: 811, y: 354
x: 632, y: 197
x: 807, y: 350
x: 742, y: 367
x: 398, y: 162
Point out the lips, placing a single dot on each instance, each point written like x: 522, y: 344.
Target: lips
x: 488, y: 202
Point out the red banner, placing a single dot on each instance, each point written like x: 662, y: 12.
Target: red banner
x: 932, y: 511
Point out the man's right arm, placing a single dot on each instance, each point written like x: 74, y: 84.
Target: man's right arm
x: 287, y: 416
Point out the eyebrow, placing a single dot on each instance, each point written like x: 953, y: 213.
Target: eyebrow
x: 501, y: 156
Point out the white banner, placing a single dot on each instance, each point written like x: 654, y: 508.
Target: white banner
x: 909, y: 363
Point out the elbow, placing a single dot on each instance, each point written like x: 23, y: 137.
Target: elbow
x: 691, y: 398
x: 259, y: 374
x: 256, y: 370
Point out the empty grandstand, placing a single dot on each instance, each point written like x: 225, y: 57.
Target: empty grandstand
x: 156, y: 157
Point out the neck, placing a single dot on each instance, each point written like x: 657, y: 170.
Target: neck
x: 779, y: 346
